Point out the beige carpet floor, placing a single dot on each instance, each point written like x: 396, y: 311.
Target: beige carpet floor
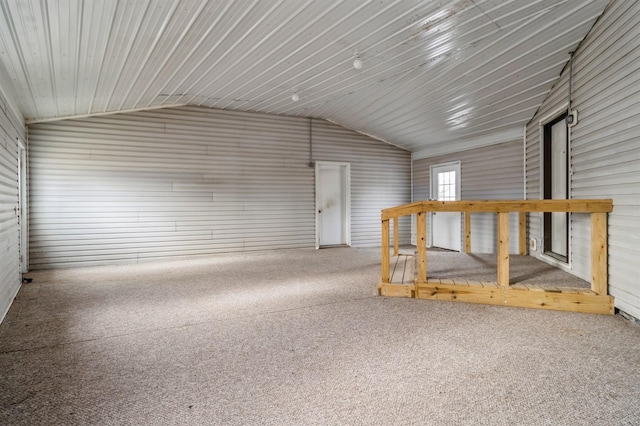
x: 299, y: 338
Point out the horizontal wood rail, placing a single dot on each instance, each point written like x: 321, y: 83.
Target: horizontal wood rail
x: 597, y: 301
x: 501, y: 206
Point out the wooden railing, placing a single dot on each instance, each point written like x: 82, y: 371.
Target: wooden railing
x: 597, y: 208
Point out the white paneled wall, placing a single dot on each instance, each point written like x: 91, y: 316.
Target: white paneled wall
x: 11, y: 130
x: 380, y: 178
x: 605, y: 146
x: 189, y: 181
x: 494, y: 172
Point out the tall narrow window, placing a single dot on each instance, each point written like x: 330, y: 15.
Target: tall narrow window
x: 556, y: 187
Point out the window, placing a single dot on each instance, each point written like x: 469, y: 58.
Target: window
x: 447, y: 186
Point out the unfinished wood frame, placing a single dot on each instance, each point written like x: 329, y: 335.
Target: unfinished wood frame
x: 595, y: 300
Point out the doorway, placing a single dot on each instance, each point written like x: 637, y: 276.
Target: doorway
x: 23, y: 212
x: 446, y: 226
x: 556, y: 187
x: 333, y: 204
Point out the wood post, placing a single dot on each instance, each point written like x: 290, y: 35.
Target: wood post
x: 599, y: 273
x: 522, y: 233
x: 467, y: 232
x: 395, y: 236
x: 422, y: 247
x: 385, y: 251
x: 503, y: 249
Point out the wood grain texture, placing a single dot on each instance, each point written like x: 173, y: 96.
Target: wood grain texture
x: 502, y: 206
x: 503, y: 249
x: 396, y: 290
x: 523, y: 246
x: 573, y: 300
x: 422, y: 247
x: 599, y: 270
x: 467, y: 232
x: 395, y: 236
x: 385, y: 251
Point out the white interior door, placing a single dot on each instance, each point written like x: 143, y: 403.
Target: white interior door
x: 23, y: 212
x: 445, y: 186
x: 559, y: 186
x: 332, y: 203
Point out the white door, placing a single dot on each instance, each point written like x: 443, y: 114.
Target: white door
x: 332, y: 203
x: 445, y: 186
x: 559, y: 186
x: 23, y: 208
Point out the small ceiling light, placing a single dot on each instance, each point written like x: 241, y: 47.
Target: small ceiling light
x: 357, y: 62
x: 295, y: 97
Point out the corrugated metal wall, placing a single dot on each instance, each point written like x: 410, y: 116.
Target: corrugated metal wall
x: 494, y: 172
x: 189, y: 181
x: 605, y: 147
x: 11, y: 128
x: 380, y: 178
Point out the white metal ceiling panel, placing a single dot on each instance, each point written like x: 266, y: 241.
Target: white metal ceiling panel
x: 433, y: 71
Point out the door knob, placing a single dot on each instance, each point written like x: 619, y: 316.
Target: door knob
x: 319, y: 211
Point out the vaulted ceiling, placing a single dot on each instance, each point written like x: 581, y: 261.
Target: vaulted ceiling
x: 433, y: 72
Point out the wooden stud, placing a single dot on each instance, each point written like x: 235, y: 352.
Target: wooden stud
x: 522, y: 233
x: 573, y: 301
x: 405, y: 209
x: 385, y: 251
x: 503, y: 249
x: 467, y: 232
x: 422, y: 247
x: 599, y: 253
x: 395, y: 236
x: 396, y: 290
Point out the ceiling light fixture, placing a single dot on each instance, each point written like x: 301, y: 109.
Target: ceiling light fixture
x: 295, y: 97
x: 357, y: 62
